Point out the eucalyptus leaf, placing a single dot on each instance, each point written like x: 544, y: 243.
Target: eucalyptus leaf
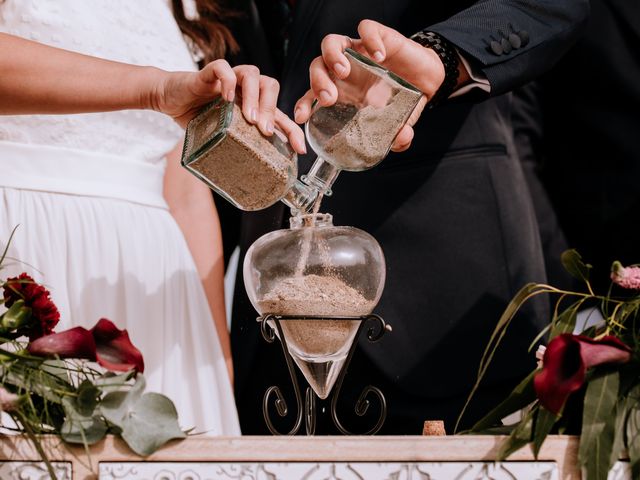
x: 146, y: 421
x: 598, y: 423
x: 87, y: 399
x: 520, y: 436
x: 544, y: 422
x: 521, y: 396
x: 573, y: 264
x: 81, y: 428
x: 111, y: 382
x: 152, y: 423
x: 115, y: 406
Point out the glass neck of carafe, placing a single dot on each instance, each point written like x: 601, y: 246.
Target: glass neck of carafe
x: 311, y: 220
x: 300, y: 197
x: 318, y: 181
x: 321, y: 176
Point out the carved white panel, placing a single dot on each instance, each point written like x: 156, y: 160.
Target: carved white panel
x: 331, y: 471
x: 33, y: 471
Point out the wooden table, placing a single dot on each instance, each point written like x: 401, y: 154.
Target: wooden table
x: 309, y: 458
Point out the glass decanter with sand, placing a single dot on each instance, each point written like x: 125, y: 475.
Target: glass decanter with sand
x: 320, y: 280
x: 233, y: 158
x: 356, y: 133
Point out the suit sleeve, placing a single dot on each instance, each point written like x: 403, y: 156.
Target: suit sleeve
x: 514, y: 41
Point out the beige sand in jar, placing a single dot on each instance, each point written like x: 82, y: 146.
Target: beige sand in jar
x: 246, y: 166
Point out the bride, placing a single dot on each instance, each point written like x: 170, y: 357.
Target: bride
x: 93, y: 95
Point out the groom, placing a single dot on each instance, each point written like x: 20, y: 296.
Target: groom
x: 451, y: 213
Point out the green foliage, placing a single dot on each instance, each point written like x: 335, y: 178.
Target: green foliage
x: 520, y: 397
x: 573, y: 264
x: 598, y: 424
x: 545, y: 420
x: 610, y: 397
x: 147, y: 421
x: 72, y: 398
x: 520, y: 436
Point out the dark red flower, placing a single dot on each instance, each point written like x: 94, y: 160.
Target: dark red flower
x: 566, y: 361
x: 44, y: 313
x: 114, y: 348
x: 76, y: 342
x: 104, y: 343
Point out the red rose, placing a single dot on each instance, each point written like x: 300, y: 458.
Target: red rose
x: 44, y: 313
x: 566, y: 361
x: 104, y: 343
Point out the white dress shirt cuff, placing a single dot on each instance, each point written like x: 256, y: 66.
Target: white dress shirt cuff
x: 479, y: 80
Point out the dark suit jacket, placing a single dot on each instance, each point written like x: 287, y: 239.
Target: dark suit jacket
x: 452, y: 215
x: 592, y: 169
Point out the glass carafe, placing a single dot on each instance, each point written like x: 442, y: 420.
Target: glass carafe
x: 315, y: 269
x: 233, y: 158
x: 357, y: 132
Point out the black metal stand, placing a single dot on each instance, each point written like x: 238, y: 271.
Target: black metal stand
x: 307, y: 410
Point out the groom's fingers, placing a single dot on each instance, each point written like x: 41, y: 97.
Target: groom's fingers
x: 333, y: 47
x: 321, y: 83
x: 371, y: 36
x: 403, y: 139
x: 302, y: 112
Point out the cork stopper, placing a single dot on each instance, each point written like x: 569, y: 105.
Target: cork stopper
x: 433, y: 427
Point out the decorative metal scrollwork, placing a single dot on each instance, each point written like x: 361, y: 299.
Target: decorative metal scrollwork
x: 306, y: 409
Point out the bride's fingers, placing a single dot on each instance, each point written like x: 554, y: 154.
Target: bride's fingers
x: 302, y: 111
x: 292, y: 131
x: 220, y: 70
x: 249, y: 80
x: 269, y: 89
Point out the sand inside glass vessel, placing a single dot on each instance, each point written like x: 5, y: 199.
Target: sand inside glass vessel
x: 342, y: 276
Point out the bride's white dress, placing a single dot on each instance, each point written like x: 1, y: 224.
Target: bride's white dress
x: 86, y: 192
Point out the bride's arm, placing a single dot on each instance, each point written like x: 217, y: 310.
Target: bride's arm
x: 191, y: 204
x: 37, y: 78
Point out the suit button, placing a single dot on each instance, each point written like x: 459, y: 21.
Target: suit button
x: 496, y: 47
x: 524, y: 36
x: 506, y: 46
x: 515, y: 41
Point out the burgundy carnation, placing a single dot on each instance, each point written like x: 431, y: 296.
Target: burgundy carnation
x: 44, y: 313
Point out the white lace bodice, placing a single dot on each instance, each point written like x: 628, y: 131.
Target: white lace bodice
x: 141, y: 32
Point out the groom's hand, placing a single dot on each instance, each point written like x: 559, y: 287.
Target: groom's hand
x: 418, y: 65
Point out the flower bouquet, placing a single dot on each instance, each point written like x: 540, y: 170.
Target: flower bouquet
x: 79, y: 384
x: 586, y: 384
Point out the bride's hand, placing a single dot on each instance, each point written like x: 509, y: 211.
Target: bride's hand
x: 182, y: 94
